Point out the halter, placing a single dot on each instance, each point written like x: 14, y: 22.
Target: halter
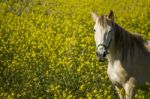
x: 100, y: 46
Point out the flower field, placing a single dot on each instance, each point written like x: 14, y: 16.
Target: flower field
x: 47, y: 48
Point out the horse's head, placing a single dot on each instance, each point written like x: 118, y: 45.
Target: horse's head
x: 103, y: 29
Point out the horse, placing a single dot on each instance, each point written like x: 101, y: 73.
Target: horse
x: 128, y: 55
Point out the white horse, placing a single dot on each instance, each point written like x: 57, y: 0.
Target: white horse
x: 128, y: 55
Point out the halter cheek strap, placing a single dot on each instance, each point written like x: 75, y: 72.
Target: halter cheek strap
x: 100, y: 46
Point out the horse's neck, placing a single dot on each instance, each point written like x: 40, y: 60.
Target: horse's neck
x: 125, y: 49
x: 120, y: 48
x: 114, y: 55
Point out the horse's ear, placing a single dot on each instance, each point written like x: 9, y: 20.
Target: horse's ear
x: 111, y: 15
x: 94, y: 16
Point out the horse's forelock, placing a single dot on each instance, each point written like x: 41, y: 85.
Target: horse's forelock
x: 104, y: 21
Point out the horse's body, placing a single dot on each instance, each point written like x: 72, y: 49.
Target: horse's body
x: 128, y: 58
x: 130, y: 69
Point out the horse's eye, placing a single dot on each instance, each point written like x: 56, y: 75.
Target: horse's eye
x: 94, y: 30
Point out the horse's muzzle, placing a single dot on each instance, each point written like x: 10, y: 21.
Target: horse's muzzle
x: 101, y: 56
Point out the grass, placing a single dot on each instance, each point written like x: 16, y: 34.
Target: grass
x: 47, y: 49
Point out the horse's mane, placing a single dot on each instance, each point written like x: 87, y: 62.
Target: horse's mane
x: 128, y: 43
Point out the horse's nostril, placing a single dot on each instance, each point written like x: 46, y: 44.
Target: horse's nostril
x: 104, y: 54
